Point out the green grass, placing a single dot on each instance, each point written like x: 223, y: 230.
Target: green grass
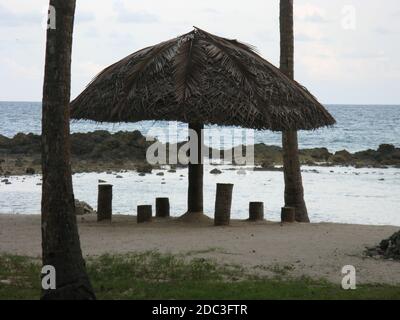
x: 152, y: 275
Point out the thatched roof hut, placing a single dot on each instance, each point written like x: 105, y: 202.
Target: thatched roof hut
x: 200, y: 78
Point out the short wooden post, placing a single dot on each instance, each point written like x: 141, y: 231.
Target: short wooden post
x: 288, y: 214
x: 223, y: 204
x: 104, y: 202
x: 144, y: 213
x: 256, y: 211
x: 162, y: 207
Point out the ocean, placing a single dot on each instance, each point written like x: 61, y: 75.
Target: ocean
x: 333, y: 194
x: 359, y: 127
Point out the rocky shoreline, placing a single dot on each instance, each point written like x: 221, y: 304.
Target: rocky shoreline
x: 101, y: 151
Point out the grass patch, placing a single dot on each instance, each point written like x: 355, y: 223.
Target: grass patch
x: 151, y: 275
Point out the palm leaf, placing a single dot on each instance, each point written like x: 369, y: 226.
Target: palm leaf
x: 188, y: 64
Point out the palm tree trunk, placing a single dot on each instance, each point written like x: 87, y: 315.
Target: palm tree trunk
x: 196, y: 170
x: 60, y: 239
x: 294, y: 193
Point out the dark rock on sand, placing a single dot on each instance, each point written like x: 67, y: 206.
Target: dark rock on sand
x: 387, y: 248
x: 215, y: 171
x: 82, y: 208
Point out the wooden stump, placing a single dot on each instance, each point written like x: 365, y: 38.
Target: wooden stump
x: 104, y: 202
x: 144, y: 213
x: 162, y: 207
x: 256, y: 211
x: 288, y: 214
x: 223, y: 204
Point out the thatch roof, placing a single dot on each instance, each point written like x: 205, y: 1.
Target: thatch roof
x: 200, y: 78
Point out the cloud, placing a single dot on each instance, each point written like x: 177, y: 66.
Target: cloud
x: 9, y: 18
x: 82, y: 16
x: 124, y: 15
x: 385, y: 31
x: 310, y: 13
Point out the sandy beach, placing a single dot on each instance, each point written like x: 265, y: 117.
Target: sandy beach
x: 315, y: 250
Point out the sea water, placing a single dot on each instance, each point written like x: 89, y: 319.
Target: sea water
x: 332, y: 194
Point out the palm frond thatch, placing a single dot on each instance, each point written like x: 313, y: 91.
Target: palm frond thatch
x: 200, y: 78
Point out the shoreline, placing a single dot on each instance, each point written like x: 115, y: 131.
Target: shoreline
x: 101, y: 151
x: 317, y: 250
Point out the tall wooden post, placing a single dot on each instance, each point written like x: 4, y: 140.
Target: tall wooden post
x: 162, y: 207
x: 223, y: 204
x: 196, y: 170
x: 104, y: 202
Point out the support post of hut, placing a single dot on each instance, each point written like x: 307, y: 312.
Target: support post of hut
x: 256, y: 211
x: 288, y: 214
x: 195, y: 190
x: 162, y: 207
x: 223, y: 204
x: 144, y: 213
x: 104, y: 202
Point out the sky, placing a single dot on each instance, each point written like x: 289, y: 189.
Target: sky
x: 346, y: 51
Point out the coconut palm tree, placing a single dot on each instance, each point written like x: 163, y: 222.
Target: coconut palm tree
x: 294, y: 192
x: 60, y: 239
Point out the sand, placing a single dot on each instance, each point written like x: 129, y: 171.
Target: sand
x: 314, y: 250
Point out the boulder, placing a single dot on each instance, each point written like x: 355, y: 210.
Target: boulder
x: 215, y: 171
x: 30, y: 171
x: 342, y: 157
x: 386, y: 149
x: 387, y: 248
x: 82, y: 208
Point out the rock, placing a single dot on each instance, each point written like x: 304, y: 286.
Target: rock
x: 142, y: 174
x: 101, y: 181
x: 4, y: 180
x: 82, y: 208
x: 30, y: 171
x: 386, y: 149
x: 145, y: 168
x: 342, y: 157
x: 172, y: 170
x: 387, y: 248
x: 119, y: 177
x: 215, y: 171
x: 160, y: 174
x: 319, y: 154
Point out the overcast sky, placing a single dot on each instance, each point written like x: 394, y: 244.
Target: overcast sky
x: 345, y: 52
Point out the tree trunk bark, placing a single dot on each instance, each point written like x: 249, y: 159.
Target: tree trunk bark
x: 294, y: 192
x: 195, y: 191
x: 60, y: 239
